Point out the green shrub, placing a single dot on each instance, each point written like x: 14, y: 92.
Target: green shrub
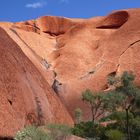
x: 114, y: 135
x: 58, y: 132
x: 88, y: 130
x: 50, y: 132
x: 135, y: 128
x: 31, y: 133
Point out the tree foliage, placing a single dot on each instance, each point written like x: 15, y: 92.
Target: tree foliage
x: 129, y: 93
x: 121, y: 103
x: 88, y: 130
x: 96, y: 101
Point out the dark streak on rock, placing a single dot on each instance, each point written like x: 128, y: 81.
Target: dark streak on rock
x: 46, y: 64
x: 56, y: 85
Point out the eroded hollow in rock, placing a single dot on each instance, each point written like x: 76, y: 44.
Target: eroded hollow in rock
x: 56, y: 85
x: 114, y: 20
x: 10, y: 102
x: 112, y: 74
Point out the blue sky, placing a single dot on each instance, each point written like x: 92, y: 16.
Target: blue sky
x: 19, y: 10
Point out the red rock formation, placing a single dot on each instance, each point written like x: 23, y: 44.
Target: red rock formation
x: 73, y: 55
x: 25, y: 96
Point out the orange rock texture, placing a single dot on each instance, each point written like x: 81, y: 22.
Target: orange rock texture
x: 25, y: 96
x: 50, y: 61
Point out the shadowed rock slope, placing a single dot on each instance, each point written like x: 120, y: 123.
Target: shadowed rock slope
x: 73, y: 55
x: 25, y: 96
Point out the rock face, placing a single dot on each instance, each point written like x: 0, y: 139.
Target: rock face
x: 67, y: 56
x: 25, y: 96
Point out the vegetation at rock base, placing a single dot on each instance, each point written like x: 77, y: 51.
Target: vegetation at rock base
x: 59, y: 132
x: 115, y: 115
x: 119, y: 105
x: 49, y: 132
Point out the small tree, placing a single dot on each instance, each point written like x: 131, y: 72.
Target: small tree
x: 125, y: 88
x: 95, y: 102
x: 100, y: 103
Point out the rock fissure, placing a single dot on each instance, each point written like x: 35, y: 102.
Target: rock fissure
x: 134, y: 42
x: 94, y: 70
x: 129, y: 47
x: 124, y: 52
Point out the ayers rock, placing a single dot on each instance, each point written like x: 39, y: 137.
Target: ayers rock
x: 46, y: 64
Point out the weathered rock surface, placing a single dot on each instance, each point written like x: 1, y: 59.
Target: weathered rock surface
x: 25, y: 96
x: 75, y: 54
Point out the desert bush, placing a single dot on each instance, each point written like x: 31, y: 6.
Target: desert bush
x: 31, y: 133
x: 88, y: 130
x: 115, y: 135
x: 59, y: 132
x: 49, y: 132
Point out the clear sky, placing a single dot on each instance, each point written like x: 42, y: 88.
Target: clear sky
x: 19, y: 10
